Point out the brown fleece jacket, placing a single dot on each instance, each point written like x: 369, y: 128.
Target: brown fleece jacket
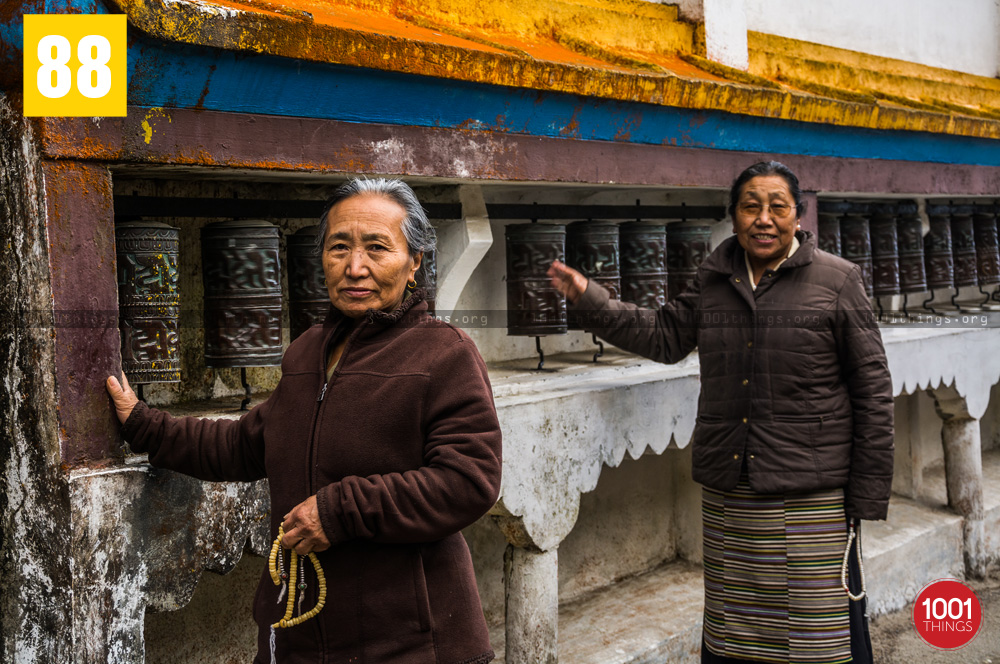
x: 401, y: 448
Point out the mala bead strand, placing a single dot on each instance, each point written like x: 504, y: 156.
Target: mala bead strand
x: 290, y: 607
x: 320, y: 601
x: 861, y: 567
x: 273, y: 565
x: 280, y: 577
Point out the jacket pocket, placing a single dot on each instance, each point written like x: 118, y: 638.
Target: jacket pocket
x: 394, y: 589
x: 798, y: 419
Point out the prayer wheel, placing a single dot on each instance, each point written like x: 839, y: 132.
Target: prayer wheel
x: 885, y: 249
x: 427, y: 278
x: 592, y: 248
x: 829, y: 214
x: 909, y: 231
x: 687, y: 248
x: 963, y: 246
x: 308, y: 299
x: 856, y: 242
x: 984, y: 219
x: 148, y: 301
x: 644, y: 266
x: 242, y: 276
x: 937, y: 249
x: 534, y: 307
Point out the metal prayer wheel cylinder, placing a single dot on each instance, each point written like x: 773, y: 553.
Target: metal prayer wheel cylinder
x: 909, y: 232
x: 534, y: 307
x: 592, y: 248
x: 308, y: 299
x: 644, y: 264
x: 937, y: 249
x: 885, y: 249
x: 828, y: 218
x: 687, y: 248
x: 963, y: 246
x: 148, y: 301
x: 242, y: 276
x: 984, y: 220
x: 856, y: 242
x: 427, y: 277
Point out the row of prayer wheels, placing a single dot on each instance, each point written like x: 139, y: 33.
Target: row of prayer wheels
x: 886, y: 240
x: 637, y: 262
x: 241, y: 270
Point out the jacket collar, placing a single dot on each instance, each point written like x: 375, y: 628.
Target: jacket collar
x: 411, y: 308
x: 728, y: 257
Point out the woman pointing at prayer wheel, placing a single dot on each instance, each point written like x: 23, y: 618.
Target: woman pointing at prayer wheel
x: 794, y: 436
x: 380, y: 443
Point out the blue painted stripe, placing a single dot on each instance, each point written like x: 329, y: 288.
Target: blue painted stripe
x: 176, y: 75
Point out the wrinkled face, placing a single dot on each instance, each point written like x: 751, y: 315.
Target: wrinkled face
x: 365, y: 257
x: 765, y: 219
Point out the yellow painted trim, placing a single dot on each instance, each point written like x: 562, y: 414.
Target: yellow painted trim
x: 625, y: 50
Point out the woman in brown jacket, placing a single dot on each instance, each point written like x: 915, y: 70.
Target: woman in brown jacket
x: 380, y: 443
x: 793, y: 441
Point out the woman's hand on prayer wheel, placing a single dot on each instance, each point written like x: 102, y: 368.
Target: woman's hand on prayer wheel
x: 122, y: 396
x: 567, y: 281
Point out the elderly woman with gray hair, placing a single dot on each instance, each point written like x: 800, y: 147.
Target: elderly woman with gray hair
x: 380, y: 443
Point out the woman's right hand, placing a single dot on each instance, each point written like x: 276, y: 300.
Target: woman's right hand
x: 123, y: 396
x: 567, y: 281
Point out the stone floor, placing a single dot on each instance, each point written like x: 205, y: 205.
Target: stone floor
x: 655, y: 618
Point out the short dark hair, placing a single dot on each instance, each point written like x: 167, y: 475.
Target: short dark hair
x: 767, y: 168
x: 417, y: 229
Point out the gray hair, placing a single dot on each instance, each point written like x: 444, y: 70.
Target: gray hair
x: 417, y: 229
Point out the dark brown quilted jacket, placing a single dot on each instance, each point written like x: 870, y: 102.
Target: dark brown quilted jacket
x: 794, y: 379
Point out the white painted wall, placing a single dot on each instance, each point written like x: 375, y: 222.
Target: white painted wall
x: 963, y: 35
x: 726, y: 32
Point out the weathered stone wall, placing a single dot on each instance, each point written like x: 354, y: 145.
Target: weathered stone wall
x: 35, y: 558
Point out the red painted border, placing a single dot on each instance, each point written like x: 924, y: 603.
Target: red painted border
x: 80, y: 229
x: 277, y: 143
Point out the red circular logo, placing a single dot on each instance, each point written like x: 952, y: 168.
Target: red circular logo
x: 947, y: 614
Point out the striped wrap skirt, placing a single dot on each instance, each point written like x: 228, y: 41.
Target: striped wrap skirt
x: 772, y: 577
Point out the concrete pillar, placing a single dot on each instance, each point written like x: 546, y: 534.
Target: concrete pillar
x: 726, y: 33
x: 963, y: 465
x: 725, y: 29
x: 531, y: 595
x: 964, y: 474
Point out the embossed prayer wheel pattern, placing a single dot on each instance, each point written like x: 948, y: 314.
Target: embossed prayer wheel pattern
x: 984, y: 220
x: 308, y: 299
x: 885, y: 249
x: 687, y: 248
x: 592, y: 248
x: 644, y: 264
x: 427, y: 278
x: 856, y: 243
x: 148, y: 301
x: 829, y: 214
x: 242, y: 276
x: 963, y: 246
x: 909, y: 232
x: 937, y: 249
x: 534, y: 307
